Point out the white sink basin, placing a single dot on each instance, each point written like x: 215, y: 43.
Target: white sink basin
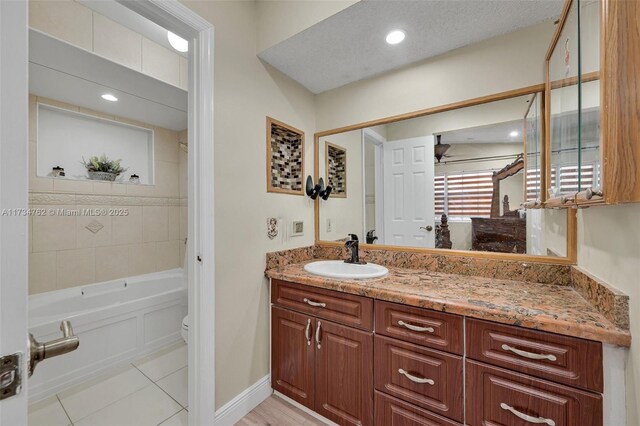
x: 340, y: 269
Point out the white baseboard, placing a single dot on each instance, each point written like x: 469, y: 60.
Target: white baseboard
x: 234, y: 410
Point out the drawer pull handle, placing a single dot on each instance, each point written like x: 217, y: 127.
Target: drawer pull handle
x: 318, y: 335
x: 528, y: 354
x: 527, y: 418
x: 307, y: 332
x: 414, y: 378
x: 415, y: 327
x: 312, y: 303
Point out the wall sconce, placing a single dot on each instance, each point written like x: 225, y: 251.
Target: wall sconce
x: 313, y: 191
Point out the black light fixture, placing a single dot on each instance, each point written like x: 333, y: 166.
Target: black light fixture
x: 440, y: 148
x: 313, y: 191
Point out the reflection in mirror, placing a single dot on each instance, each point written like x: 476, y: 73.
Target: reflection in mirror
x: 454, y: 179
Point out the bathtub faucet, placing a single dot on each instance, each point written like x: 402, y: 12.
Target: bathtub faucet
x: 69, y: 342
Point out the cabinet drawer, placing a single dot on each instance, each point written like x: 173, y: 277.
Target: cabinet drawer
x: 394, y: 412
x: 425, y: 377
x: 437, y: 330
x: 499, y: 397
x: 356, y: 311
x: 562, y: 359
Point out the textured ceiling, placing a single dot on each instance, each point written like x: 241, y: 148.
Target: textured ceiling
x: 350, y: 45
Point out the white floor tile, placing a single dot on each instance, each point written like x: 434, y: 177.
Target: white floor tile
x: 180, y: 419
x: 163, y: 363
x: 147, y: 407
x: 89, y: 397
x: 48, y: 412
x: 176, y: 385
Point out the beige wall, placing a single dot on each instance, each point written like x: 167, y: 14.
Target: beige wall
x: 64, y: 252
x: 609, y: 248
x: 75, y: 23
x: 246, y: 91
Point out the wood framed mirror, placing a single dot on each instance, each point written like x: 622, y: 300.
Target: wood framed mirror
x: 394, y: 159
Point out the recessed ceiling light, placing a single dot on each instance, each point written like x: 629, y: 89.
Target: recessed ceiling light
x: 109, y: 97
x: 395, y: 37
x: 177, y: 42
x: 514, y: 134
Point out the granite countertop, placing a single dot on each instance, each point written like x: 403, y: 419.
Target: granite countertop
x: 554, y: 308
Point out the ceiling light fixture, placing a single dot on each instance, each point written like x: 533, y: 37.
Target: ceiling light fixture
x: 514, y: 134
x: 109, y: 97
x: 177, y: 42
x: 395, y: 37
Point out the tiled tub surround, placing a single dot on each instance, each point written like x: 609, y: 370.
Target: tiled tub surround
x: 68, y: 251
x: 527, y: 302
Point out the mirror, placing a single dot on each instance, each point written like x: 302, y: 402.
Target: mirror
x: 453, y: 179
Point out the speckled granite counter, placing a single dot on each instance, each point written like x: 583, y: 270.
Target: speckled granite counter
x: 554, y: 308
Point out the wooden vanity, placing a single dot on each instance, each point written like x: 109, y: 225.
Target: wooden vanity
x: 358, y: 360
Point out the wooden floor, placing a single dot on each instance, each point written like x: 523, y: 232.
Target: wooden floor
x: 274, y: 411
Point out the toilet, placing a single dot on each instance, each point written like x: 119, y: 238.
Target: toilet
x: 184, y: 330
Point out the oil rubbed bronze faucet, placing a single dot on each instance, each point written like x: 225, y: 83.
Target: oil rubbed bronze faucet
x: 353, y: 244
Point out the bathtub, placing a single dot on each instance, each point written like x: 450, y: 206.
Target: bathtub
x: 117, y: 321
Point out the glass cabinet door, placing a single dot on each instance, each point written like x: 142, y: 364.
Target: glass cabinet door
x: 574, y: 103
x: 533, y: 140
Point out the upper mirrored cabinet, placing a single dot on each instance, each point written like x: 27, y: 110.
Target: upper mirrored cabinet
x: 592, y: 75
x: 450, y: 180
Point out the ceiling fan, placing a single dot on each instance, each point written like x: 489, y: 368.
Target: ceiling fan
x: 439, y: 149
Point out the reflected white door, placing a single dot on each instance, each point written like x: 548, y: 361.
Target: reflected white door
x: 13, y: 203
x: 408, y: 192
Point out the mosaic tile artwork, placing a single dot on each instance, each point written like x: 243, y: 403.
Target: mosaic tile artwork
x: 287, y: 158
x: 337, y: 170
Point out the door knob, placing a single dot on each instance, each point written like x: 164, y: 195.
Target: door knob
x: 427, y: 228
x: 38, y: 351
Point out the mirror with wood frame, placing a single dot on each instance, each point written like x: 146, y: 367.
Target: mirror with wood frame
x: 452, y: 180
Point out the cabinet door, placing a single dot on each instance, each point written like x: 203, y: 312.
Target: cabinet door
x: 344, y: 374
x: 292, y: 355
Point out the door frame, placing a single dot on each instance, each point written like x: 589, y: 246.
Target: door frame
x: 370, y: 135
x: 181, y: 20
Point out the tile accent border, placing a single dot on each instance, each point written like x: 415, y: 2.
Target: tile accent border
x: 54, y: 198
x: 609, y: 301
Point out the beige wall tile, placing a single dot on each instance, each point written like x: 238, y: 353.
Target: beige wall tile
x: 58, y: 104
x: 183, y: 253
x: 116, y: 42
x: 166, y: 145
x: 85, y: 237
x: 155, y: 223
x: 142, y: 258
x: 42, y: 272
x: 184, y: 73
x: 33, y: 118
x: 184, y: 215
x: 173, y: 213
x: 54, y: 232
x: 184, y: 174
x: 37, y: 184
x: 72, y: 185
x: 127, y: 229
x: 95, y: 113
x: 160, y: 63
x: 109, y: 188
x: 76, y: 267
x: 112, y: 263
x: 65, y: 19
x: 167, y: 179
x: 168, y: 255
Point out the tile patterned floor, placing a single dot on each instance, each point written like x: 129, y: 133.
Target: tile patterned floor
x: 149, y: 392
x: 274, y: 411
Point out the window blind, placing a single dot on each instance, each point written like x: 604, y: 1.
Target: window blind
x: 464, y: 195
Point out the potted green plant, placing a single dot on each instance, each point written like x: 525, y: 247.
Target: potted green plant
x: 102, y: 168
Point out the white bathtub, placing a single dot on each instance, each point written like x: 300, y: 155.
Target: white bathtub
x: 117, y: 322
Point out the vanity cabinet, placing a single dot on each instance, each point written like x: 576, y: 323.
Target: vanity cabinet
x: 348, y: 357
x: 592, y: 133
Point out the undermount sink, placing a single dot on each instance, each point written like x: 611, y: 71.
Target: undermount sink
x: 341, y: 269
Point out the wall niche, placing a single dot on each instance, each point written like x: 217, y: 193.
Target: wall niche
x: 336, y: 169
x: 285, y: 158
